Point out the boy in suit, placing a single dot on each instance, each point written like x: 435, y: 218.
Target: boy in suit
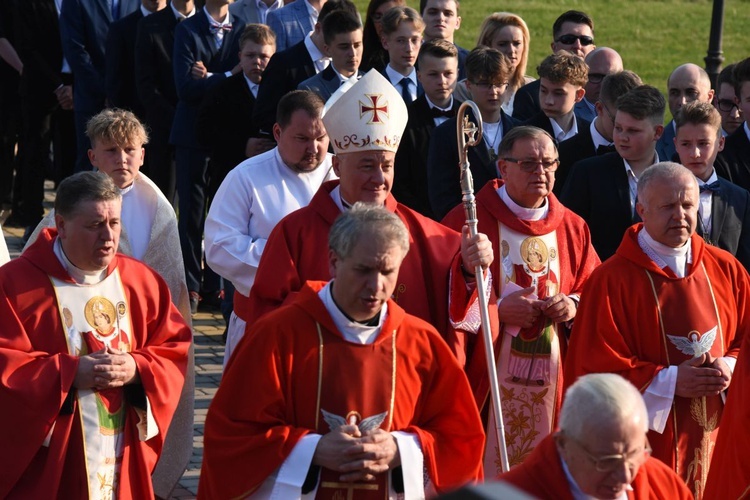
x: 342, y: 36
x: 441, y: 21
x: 402, y: 37
x: 603, y: 189
x: 294, y: 21
x: 562, y: 76
x: 487, y: 77
x: 737, y: 148
x: 438, y: 70
x: 724, y: 209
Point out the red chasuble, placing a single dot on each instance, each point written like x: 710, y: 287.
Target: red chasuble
x: 554, y: 255
x: 297, y: 251
x: 729, y: 476
x: 637, y: 319
x: 43, y: 453
x: 280, y: 381
x: 542, y: 476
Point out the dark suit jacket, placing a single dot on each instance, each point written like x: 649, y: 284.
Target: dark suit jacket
x: 526, y: 102
x: 284, y: 72
x: 224, y: 124
x: 154, y: 76
x: 83, y: 26
x: 734, y: 162
x: 665, y: 147
x: 410, y: 176
x: 194, y: 42
x: 324, y: 83
x: 39, y: 47
x: 443, y: 173
x: 291, y: 23
x: 462, y: 55
x: 597, y: 189
x: 119, y: 80
x: 730, y: 221
x: 539, y: 120
x: 577, y: 148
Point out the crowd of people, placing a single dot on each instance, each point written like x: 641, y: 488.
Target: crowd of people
x: 298, y: 168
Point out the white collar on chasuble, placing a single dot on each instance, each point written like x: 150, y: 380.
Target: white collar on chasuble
x: 354, y: 332
x: 79, y: 275
x: 663, y: 256
x: 523, y: 213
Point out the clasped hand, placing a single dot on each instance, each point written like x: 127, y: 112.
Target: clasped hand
x: 106, y: 369
x: 359, y: 457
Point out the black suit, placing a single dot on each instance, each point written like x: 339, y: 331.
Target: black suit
x: 730, y: 221
x: 39, y: 46
x: 285, y: 71
x: 570, y: 152
x: 410, y: 177
x: 526, y: 101
x: 539, y: 120
x: 154, y: 81
x: 443, y: 173
x: 597, y: 189
x: 223, y: 126
x: 734, y: 162
x: 119, y: 74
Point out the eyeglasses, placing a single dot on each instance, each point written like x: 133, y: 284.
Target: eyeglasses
x: 529, y: 166
x: 596, y: 77
x: 609, y: 113
x: 727, y: 105
x: 609, y: 463
x: 489, y: 85
x: 571, y: 39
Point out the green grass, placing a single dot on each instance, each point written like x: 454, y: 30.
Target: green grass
x: 653, y: 36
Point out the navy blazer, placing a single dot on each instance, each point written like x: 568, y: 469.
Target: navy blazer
x: 194, y: 42
x: 410, y: 175
x: 526, y: 101
x: 665, y: 147
x: 84, y: 25
x: 324, y: 83
x: 120, y: 66
x: 443, y: 173
x: 284, y: 72
x: 730, y: 221
x: 597, y: 189
x: 577, y: 148
x: 291, y: 23
x: 734, y: 162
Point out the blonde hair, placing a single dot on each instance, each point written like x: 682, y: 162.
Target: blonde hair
x: 397, y: 15
x: 491, y: 25
x: 119, y: 126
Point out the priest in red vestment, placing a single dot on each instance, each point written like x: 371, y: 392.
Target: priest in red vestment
x: 365, y: 126
x: 543, y: 258
x: 667, y: 312
x: 600, y: 451
x: 62, y: 436
x: 349, y: 396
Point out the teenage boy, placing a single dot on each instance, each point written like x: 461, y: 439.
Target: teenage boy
x: 603, y: 189
x: 737, y: 147
x: 438, y: 72
x: 149, y: 233
x: 223, y: 126
x: 724, y: 210
x: 342, y: 42
x: 441, y: 21
x: 725, y: 101
x: 402, y: 37
x: 487, y: 73
x: 562, y: 77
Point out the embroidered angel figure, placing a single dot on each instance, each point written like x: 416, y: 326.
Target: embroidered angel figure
x: 692, y: 345
x: 369, y: 423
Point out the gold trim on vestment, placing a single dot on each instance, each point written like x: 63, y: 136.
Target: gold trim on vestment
x: 320, y: 373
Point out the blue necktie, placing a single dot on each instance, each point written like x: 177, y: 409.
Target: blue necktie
x: 115, y: 10
x: 714, y: 187
x: 405, y: 90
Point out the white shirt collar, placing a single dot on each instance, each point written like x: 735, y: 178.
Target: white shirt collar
x: 79, y: 275
x: 433, y: 105
x: 395, y: 77
x: 560, y: 134
x: 145, y: 11
x: 665, y: 256
x: 179, y: 15
x: 747, y: 130
x: 320, y: 60
x: 311, y: 12
x: 252, y: 86
x: 523, y: 213
x: 596, y: 137
x: 711, y: 179
x: 354, y: 332
x: 575, y: 490
x: 352, y: 79
x: 226, y: 21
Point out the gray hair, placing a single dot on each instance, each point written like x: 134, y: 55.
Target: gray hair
x: 83, y: 187
x: 597, y: 398
x: 665, y: 170
x: 370, y: 221
x: 521, y: 132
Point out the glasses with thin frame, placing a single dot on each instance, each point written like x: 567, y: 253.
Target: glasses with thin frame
x: 530, y: 166
x: 609, y: 463
x: 484, y: 85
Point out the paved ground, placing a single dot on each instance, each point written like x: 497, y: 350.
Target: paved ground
x: 209, y: 352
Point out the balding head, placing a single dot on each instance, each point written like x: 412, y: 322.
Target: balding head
x: 602, y: 61
x: 688, y: 83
